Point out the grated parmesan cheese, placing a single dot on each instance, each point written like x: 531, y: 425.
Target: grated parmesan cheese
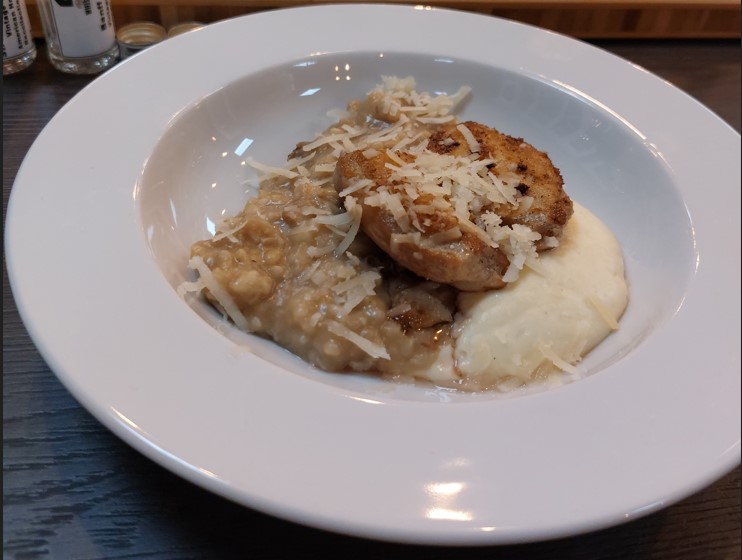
x: 474, y: 146
x: 356, y: 289
x: 562, y: 364
x: 355, y: 186
x: 270, y: 171
x: 219, y: 293
x: 356, y: 212
x: 229, y: 233
x: 604, y: 312
x: 371, y: 348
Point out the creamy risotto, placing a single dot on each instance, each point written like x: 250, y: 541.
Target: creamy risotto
x: 297, y: 266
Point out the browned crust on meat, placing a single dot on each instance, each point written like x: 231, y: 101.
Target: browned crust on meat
x: 551, y: 208
x: 467, y: 263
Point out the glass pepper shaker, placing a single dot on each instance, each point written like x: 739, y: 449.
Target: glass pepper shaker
x: 19, y: 50
x: 80, y: 35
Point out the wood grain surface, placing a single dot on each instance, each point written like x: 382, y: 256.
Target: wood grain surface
x: 72, y: 490
x: 594, y: 19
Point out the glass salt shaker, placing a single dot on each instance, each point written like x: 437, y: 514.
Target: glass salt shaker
x: 19, y: 50
x: 80, y: 35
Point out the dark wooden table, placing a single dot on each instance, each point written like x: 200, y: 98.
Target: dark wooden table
x: 72, y: 490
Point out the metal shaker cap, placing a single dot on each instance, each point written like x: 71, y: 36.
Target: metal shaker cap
x: 184, y: 27
x: 139, y: 35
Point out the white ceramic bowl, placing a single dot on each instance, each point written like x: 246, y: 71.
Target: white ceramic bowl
x: 144, y: 161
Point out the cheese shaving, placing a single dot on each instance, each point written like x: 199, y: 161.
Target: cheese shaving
x: 474, y: 146
x: 355, y: 186
x: 219, y: 293
x: 446, y: 236
x: 562, y: 364
x: 356, y: 212
x: 356, y: 289
x: 604, y: 312
x: 229, y: 233
x: 369, y: 347
x: 271, y: 171
x: 186, y: 288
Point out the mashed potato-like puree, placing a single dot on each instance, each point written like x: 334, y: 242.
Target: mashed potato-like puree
x: 557, y: 314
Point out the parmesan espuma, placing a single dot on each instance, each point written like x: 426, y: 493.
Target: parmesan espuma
x: 356, y: 253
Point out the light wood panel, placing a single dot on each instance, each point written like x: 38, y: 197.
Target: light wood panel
x: 585, y: 19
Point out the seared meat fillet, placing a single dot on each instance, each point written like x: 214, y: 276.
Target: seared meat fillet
x: 467, y: 263
x: 437, y: 245
x: 537, y: 176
